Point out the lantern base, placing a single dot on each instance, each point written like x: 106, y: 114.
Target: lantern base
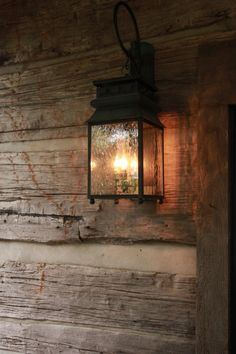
x: 116, y: 198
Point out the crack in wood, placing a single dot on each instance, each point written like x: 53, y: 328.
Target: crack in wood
x: 53, y: 216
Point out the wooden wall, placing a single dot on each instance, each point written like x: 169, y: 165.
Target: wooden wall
x: 50, y: 52
x: 109, y: 310
x: 217, y: 80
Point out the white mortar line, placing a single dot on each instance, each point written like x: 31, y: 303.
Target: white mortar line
x: 161, y: 257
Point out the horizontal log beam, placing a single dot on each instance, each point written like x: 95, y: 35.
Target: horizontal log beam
x: 146, y: 302
x: 34, y: 337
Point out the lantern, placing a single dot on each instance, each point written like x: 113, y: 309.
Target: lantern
x: 125, y: 138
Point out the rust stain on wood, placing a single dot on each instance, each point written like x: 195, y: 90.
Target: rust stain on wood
x: 41, y: 270
x: 42, y: 279
x: 49, y: 197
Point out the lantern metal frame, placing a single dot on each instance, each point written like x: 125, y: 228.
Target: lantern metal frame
x: 131, y: 98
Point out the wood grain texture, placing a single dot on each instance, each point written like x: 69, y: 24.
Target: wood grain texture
x: 47, y: 205
x: 217, y: 78
x: 146, y: 303
x: 49, y: 229
x: 37, y: 338
x: 49, y: 56
x: 50, y: 52
x: 129, y: 222
x: 104, y: 226
x: 60, y: 29
x: 55, y: 46
x: 48, y: 177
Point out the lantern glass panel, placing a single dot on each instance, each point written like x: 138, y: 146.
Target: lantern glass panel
x: 114, y: 159
x: 152, y: 160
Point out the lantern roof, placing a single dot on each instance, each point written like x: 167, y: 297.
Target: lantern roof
x: 124, y: 98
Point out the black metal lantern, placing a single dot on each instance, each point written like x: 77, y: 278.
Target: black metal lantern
x: 125, y: 138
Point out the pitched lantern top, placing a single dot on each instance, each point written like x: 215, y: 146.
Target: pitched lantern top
x: 124, y: 98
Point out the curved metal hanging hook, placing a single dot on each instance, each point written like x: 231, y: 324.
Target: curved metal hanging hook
x: 115, y: 19
x: 140, y: 55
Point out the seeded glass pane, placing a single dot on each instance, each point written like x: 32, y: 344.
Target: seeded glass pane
x: 152, y: 160
x: 114, y: 159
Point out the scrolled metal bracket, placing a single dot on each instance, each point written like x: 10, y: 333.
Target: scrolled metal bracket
x: 115, y: 19
x: 140, y: 55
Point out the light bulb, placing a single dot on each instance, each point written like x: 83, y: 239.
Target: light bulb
x: 120, y: 163
x: 117, y: 163
x: 123, y: 163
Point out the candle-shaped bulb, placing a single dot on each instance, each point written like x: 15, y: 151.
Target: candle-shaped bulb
x: 117, y: 163
x: 120, y: 163
x: 123, y: 163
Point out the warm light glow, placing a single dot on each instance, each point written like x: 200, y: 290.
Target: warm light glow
x: 121, y: 163
x: 126, y: 174
x: 114, y: 146
x: 134, y: 166
x: 93, y: 165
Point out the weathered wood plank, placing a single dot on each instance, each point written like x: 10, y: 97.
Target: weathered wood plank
x: 217, y: 88
x: 35, y: 170
x: 112, y: 227
x: 47, y: 82
x: 44, y: 157
x: 130, y: 222
x: 41, y: 33
x: 24, y: 121
x: 51, y: 204
x: 46, y: 229
x: 37, y: 134
x: 148, y: 302
x: 51, y: 81
x: 39, y: 338
x: 171, y: 28
x: 44, y: 173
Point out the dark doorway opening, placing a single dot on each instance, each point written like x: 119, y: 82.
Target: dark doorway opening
x: 232, y: 225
